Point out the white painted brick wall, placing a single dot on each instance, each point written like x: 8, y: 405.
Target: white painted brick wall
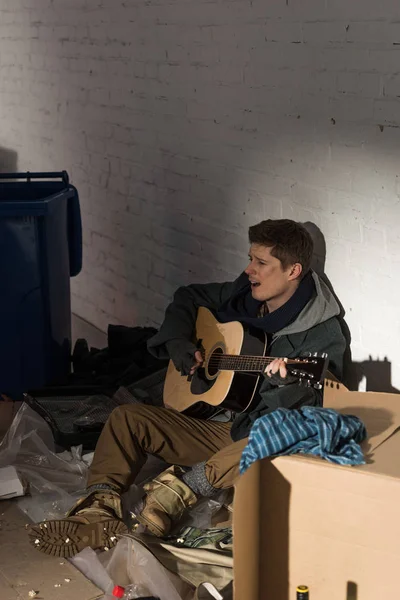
x: 182, y: 122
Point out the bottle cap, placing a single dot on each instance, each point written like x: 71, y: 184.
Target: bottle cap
x: 303, y: 588
x: 118, y: 591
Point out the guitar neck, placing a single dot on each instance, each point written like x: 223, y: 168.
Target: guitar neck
x: 256, y: 364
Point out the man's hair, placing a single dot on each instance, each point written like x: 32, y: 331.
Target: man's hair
x: 290, y: 242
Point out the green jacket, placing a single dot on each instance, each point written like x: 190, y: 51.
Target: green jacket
x: 316, y: 329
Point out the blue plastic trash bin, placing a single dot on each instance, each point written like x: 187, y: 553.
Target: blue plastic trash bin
x: 40, y: 249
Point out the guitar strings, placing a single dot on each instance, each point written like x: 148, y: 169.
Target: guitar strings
x: 238, y: 358
x: 231, y: 362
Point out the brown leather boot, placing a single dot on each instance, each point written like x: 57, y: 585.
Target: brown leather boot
x: 166, y: 499
x: 95, y: 521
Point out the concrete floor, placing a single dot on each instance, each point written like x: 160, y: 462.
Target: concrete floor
x: 22, y: 568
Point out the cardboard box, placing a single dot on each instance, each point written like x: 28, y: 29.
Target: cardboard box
x: 303, y: 521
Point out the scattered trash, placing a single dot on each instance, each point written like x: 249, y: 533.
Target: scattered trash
x: 131, y: 564
x: 55, y: 480
x: 10, y: 483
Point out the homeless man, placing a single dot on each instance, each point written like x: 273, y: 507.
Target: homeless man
x: 277, y: 293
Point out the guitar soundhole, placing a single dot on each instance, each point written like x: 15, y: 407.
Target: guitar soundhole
x: 214, y: 362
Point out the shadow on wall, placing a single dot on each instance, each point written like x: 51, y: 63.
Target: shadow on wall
x: 8, y: 160
x: 377, y: 373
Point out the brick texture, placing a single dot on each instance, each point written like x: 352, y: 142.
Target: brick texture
x: 182, y: 122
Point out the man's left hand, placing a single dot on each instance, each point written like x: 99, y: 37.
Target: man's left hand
x: 278, y: 364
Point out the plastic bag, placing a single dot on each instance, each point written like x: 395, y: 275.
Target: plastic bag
x: 131, y: 565
x: 206, y: 591
x: 132, y: 592
x: 142, y: 568
x: 55, y: 481
x: 202, y: 513
x: 88, y: 564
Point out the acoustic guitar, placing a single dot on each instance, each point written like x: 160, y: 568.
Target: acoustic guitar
x: 232, y: 372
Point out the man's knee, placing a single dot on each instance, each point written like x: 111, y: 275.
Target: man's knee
x: 132, y: 414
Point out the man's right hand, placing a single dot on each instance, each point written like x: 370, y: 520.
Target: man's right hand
x: 199, y: 361
x: 185, y: 356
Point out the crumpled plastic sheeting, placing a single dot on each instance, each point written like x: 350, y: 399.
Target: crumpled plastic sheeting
x: 202, y: 513
x: 145, y: 570
x: 131, y: 563
x: 55, y: 481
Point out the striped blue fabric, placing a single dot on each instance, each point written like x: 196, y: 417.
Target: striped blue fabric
x: 310, y: 430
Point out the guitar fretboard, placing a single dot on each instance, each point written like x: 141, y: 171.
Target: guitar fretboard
x: 231, y: 362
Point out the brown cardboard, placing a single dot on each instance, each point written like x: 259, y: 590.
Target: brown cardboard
x: 301, y: 520
x: 380, y: 412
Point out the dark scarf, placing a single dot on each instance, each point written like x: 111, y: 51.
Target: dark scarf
x: 244, y: 308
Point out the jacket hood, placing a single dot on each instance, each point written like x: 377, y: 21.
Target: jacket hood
x: 319, y: 309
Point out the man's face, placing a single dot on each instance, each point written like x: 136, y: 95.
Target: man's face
x: 269, y: 281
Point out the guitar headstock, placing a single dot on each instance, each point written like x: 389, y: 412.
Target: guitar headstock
x: 310, y: 369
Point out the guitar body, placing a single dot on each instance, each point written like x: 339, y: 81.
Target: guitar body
x: 225, y: 388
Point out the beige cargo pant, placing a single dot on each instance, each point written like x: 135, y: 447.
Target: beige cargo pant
x: 133, y: 431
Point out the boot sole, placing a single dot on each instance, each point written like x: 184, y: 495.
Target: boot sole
x: 66, y: 538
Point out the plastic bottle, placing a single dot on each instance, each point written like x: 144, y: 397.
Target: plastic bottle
x: 118, y: 592
x: 131, y: 592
